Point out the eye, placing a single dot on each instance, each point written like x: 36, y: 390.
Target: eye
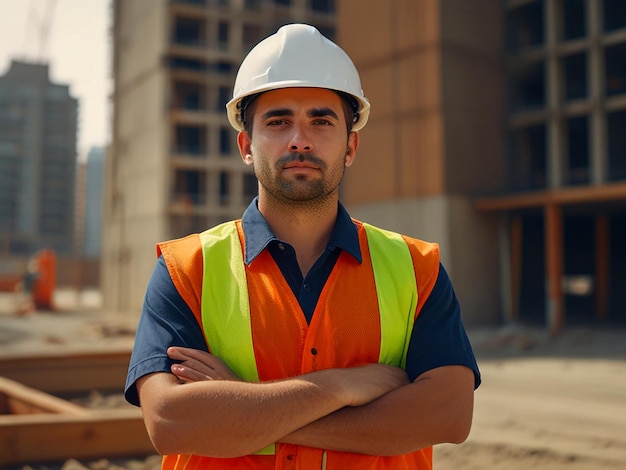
x: 277, y: 122
x: 323, y: 122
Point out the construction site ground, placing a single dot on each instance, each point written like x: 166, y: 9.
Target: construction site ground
x: 546, y: 403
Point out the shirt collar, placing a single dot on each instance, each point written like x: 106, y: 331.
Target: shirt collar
x: 258, y: 234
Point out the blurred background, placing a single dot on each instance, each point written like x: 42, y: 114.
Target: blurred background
x: 497, y: 130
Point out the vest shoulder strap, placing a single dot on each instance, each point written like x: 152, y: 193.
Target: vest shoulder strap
x: 397, y: 293
x: 225, y: 290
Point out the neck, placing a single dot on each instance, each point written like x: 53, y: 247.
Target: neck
x: 304, y: 225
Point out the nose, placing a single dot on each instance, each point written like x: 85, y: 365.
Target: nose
x: 300, y: 140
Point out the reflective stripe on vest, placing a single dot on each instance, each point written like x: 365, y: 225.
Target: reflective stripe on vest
x: 226, y: 309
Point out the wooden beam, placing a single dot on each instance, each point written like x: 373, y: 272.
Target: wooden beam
x: 554, y: 267
x: 38, y: 427
x: 61, y: 373
x: 20, y: 399
x: 575, y: 195
x: 57, y: 437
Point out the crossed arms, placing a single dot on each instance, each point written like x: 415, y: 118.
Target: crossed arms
x: 202, y: 408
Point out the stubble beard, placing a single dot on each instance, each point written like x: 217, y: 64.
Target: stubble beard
x: 303, y: 189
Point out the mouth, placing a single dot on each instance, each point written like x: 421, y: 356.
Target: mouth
x: 300, y: 166
x: 300, y: 162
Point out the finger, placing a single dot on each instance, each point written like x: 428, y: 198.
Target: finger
x: 199, y: 367
x: 187, y: 374
x: 190, y: 353
x: 177, y: 352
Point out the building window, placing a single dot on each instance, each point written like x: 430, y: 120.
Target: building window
x: 614, y: 14
x: 189, y: 96
x: 575, y: 75
x: 527, y: 87
x: 528, y: 157
x: 574, y: 19
x: 222, y: 33
x: 323, y: 6
x: 525, y: 26
x: 189, y: 188
x: 224, y: 188
x: 225, y: 142
x: 577, y: 150
x: 616, y: 123
x: 188, y: 31
x: 191, y: 140
x: 615, y: 63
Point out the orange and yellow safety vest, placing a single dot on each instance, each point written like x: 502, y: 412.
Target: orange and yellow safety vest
x: 365, y: 314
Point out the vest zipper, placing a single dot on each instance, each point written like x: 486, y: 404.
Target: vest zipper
x: 324, y: 455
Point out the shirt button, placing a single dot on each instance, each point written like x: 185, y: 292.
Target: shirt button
x: 281, y: 247
x: 313, y: 351
x: 290, y: 457
x: 305, y: 286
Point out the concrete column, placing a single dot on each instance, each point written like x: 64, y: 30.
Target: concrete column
x: 595, y: 72
x: 554, y: 126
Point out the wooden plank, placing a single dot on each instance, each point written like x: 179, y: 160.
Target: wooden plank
x: 575, y: 195
x: 554, y: 267
x: 20, y: 399
x: 49, y: 438
x: 64, y: 373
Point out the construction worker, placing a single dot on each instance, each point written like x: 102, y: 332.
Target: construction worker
x: 298, y: 337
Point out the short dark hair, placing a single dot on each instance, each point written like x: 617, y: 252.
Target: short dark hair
x: 348, y: 103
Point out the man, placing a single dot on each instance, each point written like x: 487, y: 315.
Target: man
x: 297, y: 337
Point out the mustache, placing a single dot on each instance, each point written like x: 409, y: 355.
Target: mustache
x: 300, y: 157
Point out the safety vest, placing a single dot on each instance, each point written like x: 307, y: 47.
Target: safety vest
x: 237, y: 302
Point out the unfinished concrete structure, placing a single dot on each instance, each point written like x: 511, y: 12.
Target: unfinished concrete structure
x: 495, y: 131
x: 173, y: 166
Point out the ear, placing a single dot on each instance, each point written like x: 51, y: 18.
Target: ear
x: 353, y: 145
x: 245, y: 147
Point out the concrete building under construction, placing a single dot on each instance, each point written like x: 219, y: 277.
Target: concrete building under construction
x: 174, y: 167
x: 496, y: 130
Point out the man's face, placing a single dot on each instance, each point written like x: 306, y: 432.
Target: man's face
x: 300, y: 146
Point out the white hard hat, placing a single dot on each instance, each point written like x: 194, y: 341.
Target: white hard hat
x: 297, y: 55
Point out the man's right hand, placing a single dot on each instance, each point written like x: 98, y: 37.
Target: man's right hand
x: 363, y: 384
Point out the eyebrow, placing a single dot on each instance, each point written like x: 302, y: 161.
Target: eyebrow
x: 315, y: 112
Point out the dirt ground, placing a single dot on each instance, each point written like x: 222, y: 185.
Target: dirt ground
x: 546, y: 403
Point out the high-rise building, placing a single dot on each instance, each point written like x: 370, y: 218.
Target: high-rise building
x: 174, y: 167
x: 38, y: 124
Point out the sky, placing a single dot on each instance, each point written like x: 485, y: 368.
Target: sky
x: 77, y: 49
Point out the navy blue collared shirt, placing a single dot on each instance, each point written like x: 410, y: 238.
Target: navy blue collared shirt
x: 259, y: 236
